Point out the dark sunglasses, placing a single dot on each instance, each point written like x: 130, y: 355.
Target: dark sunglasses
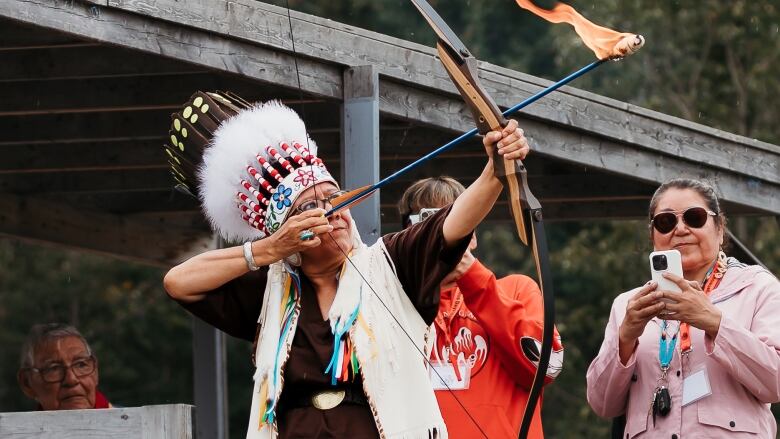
x: 317, y: 203
x: 695, y: 217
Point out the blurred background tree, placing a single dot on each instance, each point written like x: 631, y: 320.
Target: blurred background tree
x: 141, y: 338
x: 711, y: 62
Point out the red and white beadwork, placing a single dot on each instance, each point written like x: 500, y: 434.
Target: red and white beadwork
x: 254, y: 170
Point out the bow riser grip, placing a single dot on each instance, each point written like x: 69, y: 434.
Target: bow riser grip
x: 522, y: 202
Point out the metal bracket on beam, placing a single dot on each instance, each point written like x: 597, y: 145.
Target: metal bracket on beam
x: 360, y: 145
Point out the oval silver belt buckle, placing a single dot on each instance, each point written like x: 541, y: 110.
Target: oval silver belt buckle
x: 327, y: 399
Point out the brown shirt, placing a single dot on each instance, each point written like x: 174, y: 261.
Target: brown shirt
x: 421, y: 261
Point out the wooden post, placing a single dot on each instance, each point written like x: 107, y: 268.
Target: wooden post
x: 210, y: 378
x: 360, y: 145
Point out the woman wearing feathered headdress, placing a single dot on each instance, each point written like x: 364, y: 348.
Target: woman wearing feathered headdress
x: 340, y: 327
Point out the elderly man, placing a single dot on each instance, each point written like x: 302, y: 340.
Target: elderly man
x: 58, y: 369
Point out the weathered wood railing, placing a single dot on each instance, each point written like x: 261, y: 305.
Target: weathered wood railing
x: 173, y: 421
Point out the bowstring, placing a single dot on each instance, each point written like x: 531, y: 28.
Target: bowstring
x: 346, y: 255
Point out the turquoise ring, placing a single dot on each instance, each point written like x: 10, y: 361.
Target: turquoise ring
x: 306, y: 235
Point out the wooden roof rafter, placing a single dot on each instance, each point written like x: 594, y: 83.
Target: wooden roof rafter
x: 111, y: 64
x: 253, y: 39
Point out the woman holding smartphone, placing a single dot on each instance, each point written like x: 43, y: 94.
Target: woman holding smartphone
x: 703, y: 362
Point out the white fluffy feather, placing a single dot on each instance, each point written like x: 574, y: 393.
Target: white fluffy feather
x: 234, y: 146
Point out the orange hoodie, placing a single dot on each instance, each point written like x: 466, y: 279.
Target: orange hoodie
x: 496, y: 327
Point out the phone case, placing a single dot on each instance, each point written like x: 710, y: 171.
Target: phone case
x: 674, y: 265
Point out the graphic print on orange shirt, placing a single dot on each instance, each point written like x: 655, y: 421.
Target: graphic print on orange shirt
x: 462, y: 341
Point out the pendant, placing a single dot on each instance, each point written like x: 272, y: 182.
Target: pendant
x: 662, y: 402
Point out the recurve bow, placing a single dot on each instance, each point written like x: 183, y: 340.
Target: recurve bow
x: 526, y: 210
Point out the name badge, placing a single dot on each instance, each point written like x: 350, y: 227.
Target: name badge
x: 443, y: 376
x: 695, y: 387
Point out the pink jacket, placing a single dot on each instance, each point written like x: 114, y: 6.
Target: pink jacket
x: 742, y: 363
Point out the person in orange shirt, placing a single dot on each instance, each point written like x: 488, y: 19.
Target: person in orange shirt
x: 488, y: 335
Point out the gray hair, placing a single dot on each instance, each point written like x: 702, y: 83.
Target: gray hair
x: 43, y: 333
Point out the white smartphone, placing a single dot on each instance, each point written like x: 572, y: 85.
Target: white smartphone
x: 667, y: 260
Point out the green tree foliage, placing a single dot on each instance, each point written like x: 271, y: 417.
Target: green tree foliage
x: 709, y: 61
x: 141, y: 338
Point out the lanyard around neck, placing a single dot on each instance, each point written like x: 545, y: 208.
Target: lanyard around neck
x: 711, y: 281
x: 666, y: 345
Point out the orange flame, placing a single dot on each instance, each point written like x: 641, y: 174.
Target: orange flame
x: 605, y: 43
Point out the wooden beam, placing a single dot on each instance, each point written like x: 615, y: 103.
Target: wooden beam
x: 696, y: 150
x: 156, y: 177
x: 584, y: 149
x: 83, y: 156
x: 143, y: 171
x: 83, y: 62
x: 649, y: 166
x: 684, y: 140
x: 198, y: 47
x: 15, y: 35
x: 123, y: 180
x: 193, y: 219
x: 596, y: 210
x: 580, y: 211
x: 81, y: 126
x: 570, y: 188
x: 330, y: 41
x: 252, y: 39
x: 46, y: 221
x: 113, y: 153
x: 106, y: 154
x: 166, y: 201
x: 125, y: 93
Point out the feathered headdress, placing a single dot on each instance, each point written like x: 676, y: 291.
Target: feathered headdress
x: 246, y: 163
